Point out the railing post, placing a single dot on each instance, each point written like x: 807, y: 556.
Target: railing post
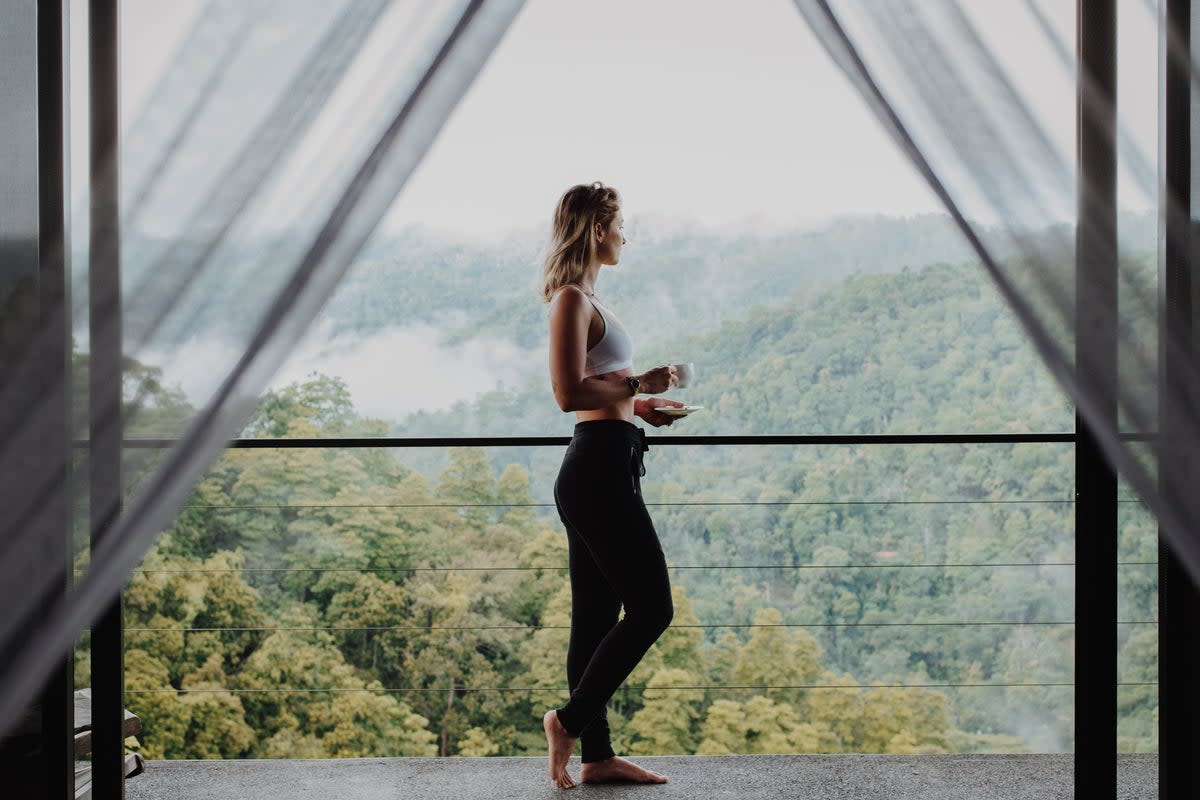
x: 104, y: 405
x: 1096, y: 363
x: 1178, y: 598
x: 52, y: 37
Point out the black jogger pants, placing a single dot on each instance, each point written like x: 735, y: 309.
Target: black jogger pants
x: 615, y: 560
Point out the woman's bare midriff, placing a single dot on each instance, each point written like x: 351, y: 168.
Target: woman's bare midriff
x: 622, y: 410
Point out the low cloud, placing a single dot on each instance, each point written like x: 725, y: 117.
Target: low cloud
x: 399, y: 370
x: 390, y: 373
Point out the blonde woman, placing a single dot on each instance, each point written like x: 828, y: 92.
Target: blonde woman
x: 615, y: 557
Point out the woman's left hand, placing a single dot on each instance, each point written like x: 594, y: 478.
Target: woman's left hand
x: 646, y: 409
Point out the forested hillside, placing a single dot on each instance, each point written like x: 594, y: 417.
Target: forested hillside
x: 916, y: 598
x: 667, y: 277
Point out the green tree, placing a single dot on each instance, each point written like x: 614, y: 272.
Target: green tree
x: 369, y: 723
x: 302, y: 666
x: 165, y: 718
x: 904, y: 721
x: 216, y: 725
x: 364, y: 617
x: 671, y: 707
x: 777, y: 656
x: 181, y: 611
x: 760, y: 725
x: 476, y: 742
x: 513, y: 490
x: 468, y: 482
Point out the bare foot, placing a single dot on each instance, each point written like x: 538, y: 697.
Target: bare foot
x: 618, y: 770
x: 562, y: 744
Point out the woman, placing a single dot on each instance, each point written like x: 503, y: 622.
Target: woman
x: 615, y: 558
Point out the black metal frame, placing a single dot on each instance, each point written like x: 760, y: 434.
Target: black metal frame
x: 57, y: 751
x: 1179, y: 600
x: 104, y: 391
x: 1095, y: 479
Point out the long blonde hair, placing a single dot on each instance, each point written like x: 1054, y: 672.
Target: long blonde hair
x: 573, y: 237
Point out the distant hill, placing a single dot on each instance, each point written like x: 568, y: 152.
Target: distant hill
x: 667, y: 281
x: 929, y: 349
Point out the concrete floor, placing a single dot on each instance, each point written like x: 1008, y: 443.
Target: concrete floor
x: 842, y: 777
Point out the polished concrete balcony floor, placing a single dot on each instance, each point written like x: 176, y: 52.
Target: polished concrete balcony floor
x: 841, y: 777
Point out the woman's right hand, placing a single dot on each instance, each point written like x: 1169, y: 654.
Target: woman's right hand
x: 657, y: 380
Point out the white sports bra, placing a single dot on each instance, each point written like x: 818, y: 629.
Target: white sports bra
x: 614, y: 351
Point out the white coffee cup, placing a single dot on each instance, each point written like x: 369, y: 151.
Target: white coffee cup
x: 684, y: 374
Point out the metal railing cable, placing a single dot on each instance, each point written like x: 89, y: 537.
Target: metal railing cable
x: 535, y: 628
x: 562, y: 567
x: 706, y: 503
x: 695, y: 687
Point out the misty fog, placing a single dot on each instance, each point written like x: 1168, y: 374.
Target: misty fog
x: 390, y: 373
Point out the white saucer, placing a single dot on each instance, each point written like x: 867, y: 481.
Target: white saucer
x: 674, y: 411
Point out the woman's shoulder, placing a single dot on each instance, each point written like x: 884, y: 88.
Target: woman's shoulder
x: 569, y: 302
x: 570, y: 295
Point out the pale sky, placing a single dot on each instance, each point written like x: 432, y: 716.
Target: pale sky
x: 714, y: 111
x: 722, y: 112
x: 725, y: 113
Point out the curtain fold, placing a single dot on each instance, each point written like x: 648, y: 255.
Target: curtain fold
x: 956, y: 106
x: 268, y: 152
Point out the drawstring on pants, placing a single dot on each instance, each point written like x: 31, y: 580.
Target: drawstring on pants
x: 637, y: 464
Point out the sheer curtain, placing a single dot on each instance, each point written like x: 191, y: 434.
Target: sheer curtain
x: 277, y: 137
x: 284, y: 128
x: 972, y: 118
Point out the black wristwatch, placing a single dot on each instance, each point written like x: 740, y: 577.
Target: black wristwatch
x: 634, y: 385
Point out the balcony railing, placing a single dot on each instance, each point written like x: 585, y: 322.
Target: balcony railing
x: 684, y: 572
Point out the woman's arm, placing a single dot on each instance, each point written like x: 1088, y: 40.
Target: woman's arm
x: 570, y: 317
